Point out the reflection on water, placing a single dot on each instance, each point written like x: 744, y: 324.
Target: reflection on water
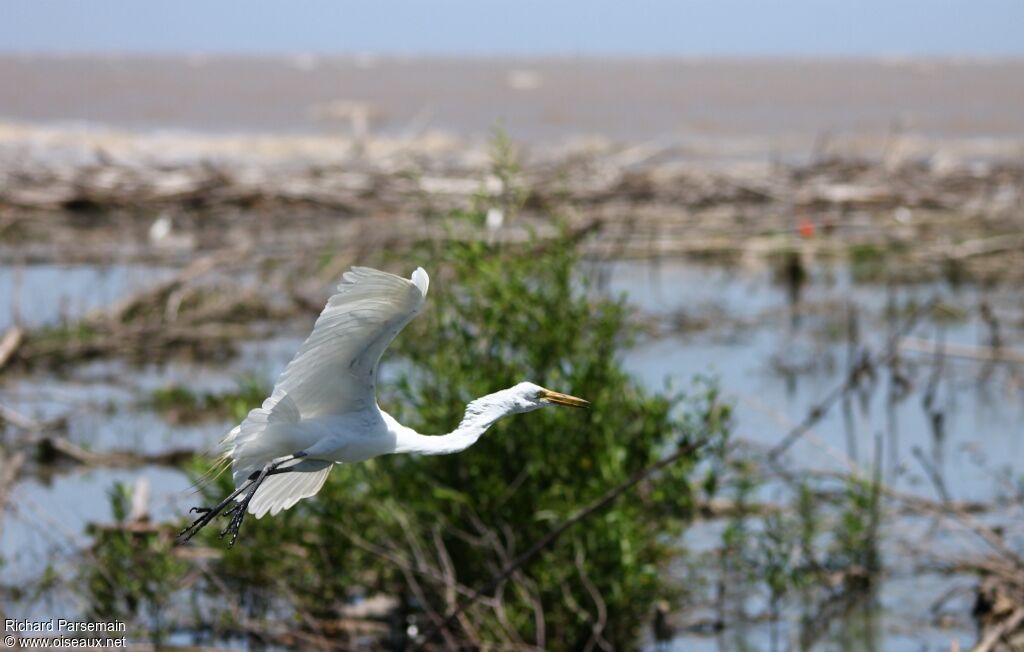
x: 774, y: 359
x: 775, y: 368
x: 46, y: 294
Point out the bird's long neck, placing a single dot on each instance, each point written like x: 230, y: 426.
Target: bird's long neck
x: 480, y: 415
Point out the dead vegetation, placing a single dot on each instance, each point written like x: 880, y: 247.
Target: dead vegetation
x: 918, y: 218
x: 255, y: 247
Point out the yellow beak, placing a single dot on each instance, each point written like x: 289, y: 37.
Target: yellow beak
x: 564, y: 399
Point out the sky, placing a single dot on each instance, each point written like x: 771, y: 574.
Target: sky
x: 519, y: 27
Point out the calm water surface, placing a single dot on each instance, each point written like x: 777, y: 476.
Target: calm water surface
x: 772, y: 362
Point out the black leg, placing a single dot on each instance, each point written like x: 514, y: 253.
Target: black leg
x: 239, y: 510
x: 207, y: 514
x: 237, y: 513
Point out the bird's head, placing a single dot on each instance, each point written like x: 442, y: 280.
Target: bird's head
x: 527, y: 397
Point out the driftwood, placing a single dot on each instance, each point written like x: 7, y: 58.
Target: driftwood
x: 625, y: 202
x: 652, y: 198
x: 28, y: 424
x: 10, y: 343
x: 988, y: 246
x: 57, y: 449
x: 984, y: 353
x: 1000, y: 631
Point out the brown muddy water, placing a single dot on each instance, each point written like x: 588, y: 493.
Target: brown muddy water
x: 754, y: 106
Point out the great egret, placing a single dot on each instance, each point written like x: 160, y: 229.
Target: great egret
x: 323, y: 410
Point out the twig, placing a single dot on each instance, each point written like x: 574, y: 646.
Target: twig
x: 10, y: 475
x: 983, y: 353
x: 558, y: 531
x: 398, y: 560
x: 19, y: 420
x: 113, y: 458
x: 933, y: 475
x: 602, y: 610
x: 817, y: 412
x: 996, y: 633
x: 9, y: 344
x: 986, y: 246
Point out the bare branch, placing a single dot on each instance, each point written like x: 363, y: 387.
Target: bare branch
x: 556, y: 532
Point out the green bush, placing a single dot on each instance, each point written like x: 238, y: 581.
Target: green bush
x: 497, y: 316
x: 132, y: 573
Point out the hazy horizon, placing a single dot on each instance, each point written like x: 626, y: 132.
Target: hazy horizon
x: 777, y: 103
x: 371, y: 55
x: 531, y: 28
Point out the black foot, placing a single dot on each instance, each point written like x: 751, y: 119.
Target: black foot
x: 207, y: 514
x: 237, y: 514
x: 196, y: 525
x: 240, y: 507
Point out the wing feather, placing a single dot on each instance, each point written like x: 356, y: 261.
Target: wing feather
x: 335, y: 371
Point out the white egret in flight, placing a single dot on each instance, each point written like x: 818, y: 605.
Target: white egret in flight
x: 323, y: 410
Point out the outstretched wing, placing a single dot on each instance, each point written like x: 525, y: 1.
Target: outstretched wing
x: 335, y: 371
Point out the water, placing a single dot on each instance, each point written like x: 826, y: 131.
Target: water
x: 764, y: 106
x: 982, y: 439
x: 758, y: 333
x: 48, y: 294
x: 739, y: 327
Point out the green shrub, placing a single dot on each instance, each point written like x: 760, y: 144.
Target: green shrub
x: 496, y: 317
x: 131, y: 574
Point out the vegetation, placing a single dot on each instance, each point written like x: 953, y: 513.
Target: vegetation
x: 133, y: 573
x: 429, y: 531
x: 819, y: 553
x: 179, y: 404
x: 496, y: 317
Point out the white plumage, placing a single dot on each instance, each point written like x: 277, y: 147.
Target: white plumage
x: 323, y: 409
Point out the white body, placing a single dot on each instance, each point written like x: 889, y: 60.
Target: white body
x: 324, y: 405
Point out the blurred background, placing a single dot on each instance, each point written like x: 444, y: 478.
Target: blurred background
x: 789, y: 231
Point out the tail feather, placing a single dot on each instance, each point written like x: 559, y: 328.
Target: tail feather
x: 247, y: 448
x: 280, y: 492
x: 222, y: 464
x: 246, y: 445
